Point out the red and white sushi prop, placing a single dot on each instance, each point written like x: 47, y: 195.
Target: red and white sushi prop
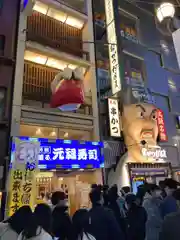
x: 68, y: 90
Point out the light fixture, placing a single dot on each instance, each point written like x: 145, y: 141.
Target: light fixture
x: 74, y: 22
x: 58, y: 15
x: 40, y: 7
x: 60, y: 179
x: 38, y: 131
x: 50, y: 62
x: 66, y: 134
x: 175, y: 144
x: 53, y: 133
x: 165, y: 10
x: 55, y: 63
x: 34, y: 57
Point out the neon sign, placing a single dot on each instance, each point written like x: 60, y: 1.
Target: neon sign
x: 67, y: 154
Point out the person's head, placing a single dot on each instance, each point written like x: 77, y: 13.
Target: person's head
x: 176, y: 195
x: 153, y: 190
x: 20, y: 219
x: 170, y: 186
x: 42, y: 195
x: 130, y: 201
x: 48, y: 196
x: 42, y: 214
x: 113, y: 193
x: 78, y: 219
x: 96, y: 196
x: 59, y: 198
x: 125, y: 190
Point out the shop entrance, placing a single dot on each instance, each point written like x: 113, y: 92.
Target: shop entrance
x: 76, y: 185
x: 148, y: 172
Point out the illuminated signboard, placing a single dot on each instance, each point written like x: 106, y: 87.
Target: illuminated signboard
x: 161, y: 126
x: 113, y: 49
x: 114, y: 123
x: 67, y: 154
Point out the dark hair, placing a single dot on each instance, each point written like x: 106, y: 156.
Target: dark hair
x: 113, y: 193
x: 150, y: 187
x: 171, y: 183
x: 20, y: 219
x: 95, y: 195
x: 130, y: 199
x: 43, y: 216
x: 125, y: 190
x: 57, y: 196
x: 176, y: 194
x: 79, y: 218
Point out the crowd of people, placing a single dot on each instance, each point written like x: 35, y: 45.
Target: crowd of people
x: 153, y: 213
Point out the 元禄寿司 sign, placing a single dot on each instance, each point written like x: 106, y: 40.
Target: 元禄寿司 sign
x: 67, y: 154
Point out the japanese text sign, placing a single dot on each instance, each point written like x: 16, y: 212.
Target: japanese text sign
x: 113, y: 49
x: 161, y: 126
x: 55, y: 154
x: 23, y: 175
x: 114, y: 122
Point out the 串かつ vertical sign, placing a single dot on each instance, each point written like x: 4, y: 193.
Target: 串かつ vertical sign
x: 161, y: 126
x: 22, y: 182
x: 113, y: 49
x: 114, y: 121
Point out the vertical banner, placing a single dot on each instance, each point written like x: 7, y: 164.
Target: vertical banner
x: 161, y: 126
x: 114, y: 123
x: 22, y: 182
x: 113, y: 47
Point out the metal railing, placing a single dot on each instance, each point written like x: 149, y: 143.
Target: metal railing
x: 36, y: 86
x: 60, y: 36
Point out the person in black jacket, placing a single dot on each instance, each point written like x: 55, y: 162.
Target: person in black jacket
x: 101, y: 222
x: 114, y: 206
x: 136, y: 219
x: 62, y: 226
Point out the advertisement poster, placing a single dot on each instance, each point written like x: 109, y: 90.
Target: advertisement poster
x: 23, y: 175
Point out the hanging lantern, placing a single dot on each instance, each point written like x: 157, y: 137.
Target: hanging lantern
x: 67, y: 90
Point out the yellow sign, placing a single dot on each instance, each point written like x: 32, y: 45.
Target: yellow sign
x: 22, y: 181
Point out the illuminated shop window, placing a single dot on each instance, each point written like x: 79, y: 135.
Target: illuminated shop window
x: 129, y: 26
x: 134, y: 70
x: 54, y: 132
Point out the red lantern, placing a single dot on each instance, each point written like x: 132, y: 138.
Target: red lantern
x: 67, y: 90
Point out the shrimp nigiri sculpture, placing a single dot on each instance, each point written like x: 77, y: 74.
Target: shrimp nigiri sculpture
x: 67, y: 90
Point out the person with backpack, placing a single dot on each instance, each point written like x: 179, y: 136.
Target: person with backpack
x: 14, y: 225
x: 101, y: 223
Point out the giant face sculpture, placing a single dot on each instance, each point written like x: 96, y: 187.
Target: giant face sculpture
x: 140, y: 129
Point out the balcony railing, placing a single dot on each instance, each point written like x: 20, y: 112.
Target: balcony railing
x: 53, y: 33
x: 36, y: 87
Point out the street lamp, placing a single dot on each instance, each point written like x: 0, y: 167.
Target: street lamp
x: 165, y: 10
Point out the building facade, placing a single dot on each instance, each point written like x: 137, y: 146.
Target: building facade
x: 8, y: 39
x: 56, y: 35
x: 147, y: 57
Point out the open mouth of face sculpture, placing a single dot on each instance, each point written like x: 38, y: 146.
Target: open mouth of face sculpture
x: 147, y: 137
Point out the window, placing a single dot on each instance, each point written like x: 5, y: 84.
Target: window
x: 134, y: 70
x: 128, y: 26
x: 2, y: 44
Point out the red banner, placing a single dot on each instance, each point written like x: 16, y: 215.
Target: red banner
x: 161, y: 126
